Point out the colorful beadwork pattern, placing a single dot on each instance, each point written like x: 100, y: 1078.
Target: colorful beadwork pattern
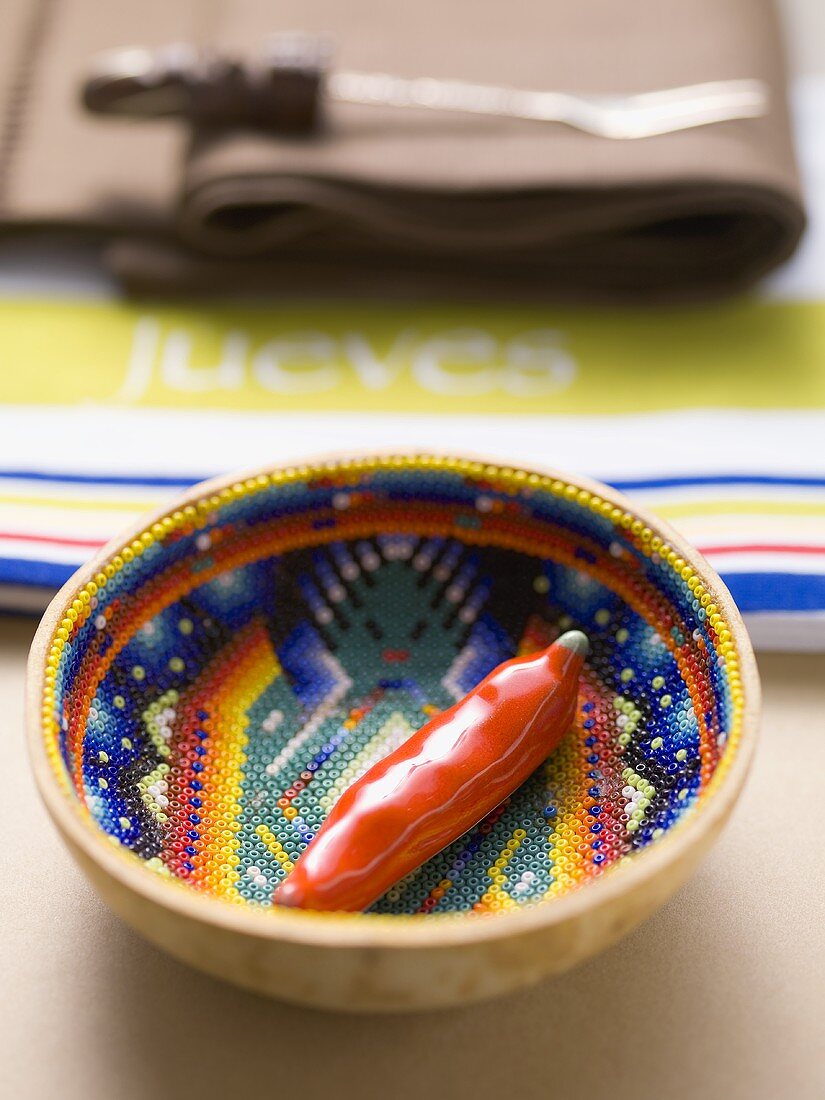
x: 220, y: 682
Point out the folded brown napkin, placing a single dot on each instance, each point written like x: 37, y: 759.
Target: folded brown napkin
x: 408, y: 201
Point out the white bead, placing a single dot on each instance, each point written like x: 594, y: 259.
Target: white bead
x: 272, y: 721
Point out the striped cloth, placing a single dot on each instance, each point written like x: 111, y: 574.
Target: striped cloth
x: 765, y: 533
x: 714, y: 419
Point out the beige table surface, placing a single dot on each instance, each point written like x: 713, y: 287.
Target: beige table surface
x: 721, y: 994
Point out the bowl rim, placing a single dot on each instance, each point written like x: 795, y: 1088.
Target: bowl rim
x: 333, y: 930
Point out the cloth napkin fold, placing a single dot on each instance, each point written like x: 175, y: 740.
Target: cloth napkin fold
x: 409, y: 201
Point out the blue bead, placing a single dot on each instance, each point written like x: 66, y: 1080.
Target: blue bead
x: 197, y: 766
x: 596, y: 827
x: 197, y: 785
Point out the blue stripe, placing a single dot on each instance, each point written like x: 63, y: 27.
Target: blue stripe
x: 717, y: 479
x: 792, y: 592
x: 38, y: 574
x: 101, y: 479
x: 777, y: 591
x: 627, y: 485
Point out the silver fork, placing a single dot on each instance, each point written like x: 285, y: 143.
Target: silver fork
x: 610, y: 116
x: 178, y: 79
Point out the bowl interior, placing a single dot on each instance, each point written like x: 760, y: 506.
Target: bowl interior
x: 220, y: 681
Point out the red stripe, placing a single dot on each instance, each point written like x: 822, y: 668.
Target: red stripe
x: 16, y: 536
x: 762, y: 548
x: 744, y: 548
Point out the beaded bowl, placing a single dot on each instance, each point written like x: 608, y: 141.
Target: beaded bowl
x: 203, y: 691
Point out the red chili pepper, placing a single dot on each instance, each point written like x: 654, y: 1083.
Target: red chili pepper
x: 443, y: 780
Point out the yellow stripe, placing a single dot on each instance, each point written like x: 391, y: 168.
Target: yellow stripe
x: 224, y: 771
x: 497, y: 896
x: 415, y: 358
x: 739, y: 507
x: 271, y: 842
x: 84, y: 503
x: 663, y: 508
x: 564, y: 772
